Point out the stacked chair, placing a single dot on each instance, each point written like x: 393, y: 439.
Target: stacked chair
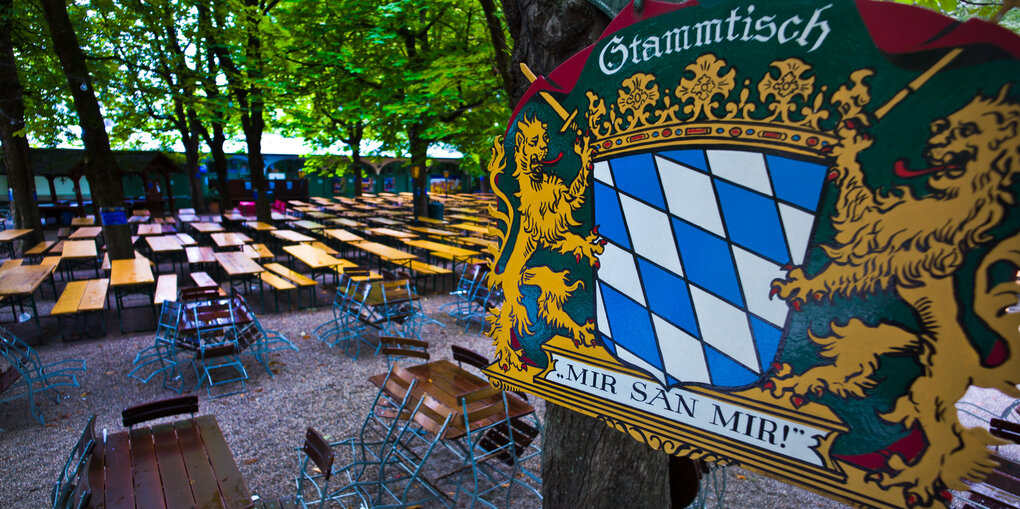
x: 162, y: 357
x: 72, y: 490
x: 344, y: 328
x: 23, y: 375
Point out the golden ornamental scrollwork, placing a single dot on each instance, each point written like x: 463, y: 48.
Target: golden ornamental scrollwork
x: 637, y: 94
x: 706, y: 83
x: 660, y: 443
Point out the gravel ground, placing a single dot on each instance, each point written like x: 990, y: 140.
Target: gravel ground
x: 317, y: 386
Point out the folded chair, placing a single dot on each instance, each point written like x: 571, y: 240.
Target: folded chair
x: 252, y: 338
x: 161, y: 357
x: 471, y: 278
x: 215, y: 359
x: 398, y: 348
x: 343, y: 326
x: 26, y: 376
x: 313, y: 483
x: 158, y: 409
x: 72, y: 490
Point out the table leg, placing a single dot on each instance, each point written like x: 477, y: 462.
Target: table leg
x: 120, y: 317
x: 35, y: 312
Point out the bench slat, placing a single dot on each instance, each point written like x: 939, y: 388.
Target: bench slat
x: 166, y: 288
x: 294, y: 277
x: 203, y: 279
x: 276, y: 282
x: 198, y: 254
x: 70, y: 298
x: 94, y: 298
x: 40, y: 248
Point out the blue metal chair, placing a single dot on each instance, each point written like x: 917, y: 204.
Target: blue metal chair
x: 162, y: 356
x: 343, y: 326
x: 219, y: 358
x: 26, y: 376
x: 471, y: 278
x: 72, y: 490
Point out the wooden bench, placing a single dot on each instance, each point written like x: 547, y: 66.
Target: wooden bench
x: 257, y: 251
x: 278, y: 284
x: 80, y: 298
x: 199, y: 255
x: 166, y: 289
x: 203, y: 279
x: 186, y: 240
x: 300, y: 280
x: 40, y: 248
x: 421, y: 268
x: 10, y: 264
x: 107, y: 265
x: 321, y: 245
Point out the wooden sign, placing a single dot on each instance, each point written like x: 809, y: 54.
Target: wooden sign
x: 781, y: 235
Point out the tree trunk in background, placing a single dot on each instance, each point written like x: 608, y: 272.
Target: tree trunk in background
x: 192, y: 163
x: 12, y: 120
x: 357, y: 131
x: 220, y: 164
x: 101, y: 167
x: 255, y: 124
x: 502, y: 52
x: 585, y: 463
x: 419, y: 148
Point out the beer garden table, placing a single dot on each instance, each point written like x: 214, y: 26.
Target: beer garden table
x: 291, y: 236
x: 129, y: 277
x: 77, y: 252
x: 18, y: 283
x: 230, y: 239
x: 83, y: 221
x: 318, y: 260
x: 186, y: 463
x: 165, y: 246
x: 239, y: 266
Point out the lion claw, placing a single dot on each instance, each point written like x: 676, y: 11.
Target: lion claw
x: 911, y: 499
x: 603, y: 242
x: 788, y: 267
x: 797, y: 401
x: 946, y: 495
x: 796, y: 304
x: 595, y: 230
x: 770, y: 385
x: 596, y: 264
x: 774, y: 291
x: 777, y: 366
x: 819, y: 296
x: 577, y: 256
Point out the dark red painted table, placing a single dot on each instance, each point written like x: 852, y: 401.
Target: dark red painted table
x: 181, y: 464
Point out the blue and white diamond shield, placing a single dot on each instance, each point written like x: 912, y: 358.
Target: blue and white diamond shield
x: 695, y: 238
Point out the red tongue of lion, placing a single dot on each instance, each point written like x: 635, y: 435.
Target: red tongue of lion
x: 900, y: 167
x: 553, y: 161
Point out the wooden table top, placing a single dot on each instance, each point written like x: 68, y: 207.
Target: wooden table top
x: 187, y: 218
x: 389, y: 232
x: 83, y: 221
x: 230, y: 239
x: 207, y: 227
x: 259, y: 226
x: 471, y: 228
x: 350, y: 223
x: 150, y: 229
x: 164, y: 243
x: 430, y: 220
x: 185, y: 240
x: 86, y: 232
x: 309, y: 225
x: 180, y: 464
x: 319, y: 215
x: 432, y: 231
x: 11, y: 235
x: 313, y: 256
x: 384, y: 221
x: 342, y: 235
x: 291, y: 236
x: 236, y: 263
x: 135, y: 271
x: 438, y: 247
x: 24, y: 279
x: 299, y: 203
x: 447, y: 382
x: 384, y: 252
x: 74, y: 249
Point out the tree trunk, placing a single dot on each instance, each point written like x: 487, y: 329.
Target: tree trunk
x: 499, y: 47
x: 256, y: 103
x: 101, y: 167
x: 419, y: 148
x: 357, y: 131
x: 220, y: 164
x: 585, y: 463
x: 12, y: 111
x: 191, y: 158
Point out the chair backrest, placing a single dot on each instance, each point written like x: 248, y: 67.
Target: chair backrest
x: 466, y: 356
x: 169, y: 320
x: 19, y: 355
x: 393, y: 346
x: 157, y: 409
x: 317, y: 449
x: 248, y: 335
x: 69, y: 489
x: 388, y: 275
x: 199, y: 293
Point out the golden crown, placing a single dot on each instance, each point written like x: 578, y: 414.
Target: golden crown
x: 708, y: 106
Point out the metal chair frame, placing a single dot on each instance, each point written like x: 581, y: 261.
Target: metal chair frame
x: 71, y: 490
x: 34, y: 377
x: 164, y: 351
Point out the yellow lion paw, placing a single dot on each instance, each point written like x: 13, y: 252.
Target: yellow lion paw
x: 508, y: 358
x: 797, y: 288
x: 785, y: 381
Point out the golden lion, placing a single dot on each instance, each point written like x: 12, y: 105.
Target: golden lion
x: 546, y: 218
x: 913, y: 245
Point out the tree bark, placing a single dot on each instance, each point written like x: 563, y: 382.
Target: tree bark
x: 499, y: 47
x: 255, y: 124
x: 12, y: 120
x: 101, y: 167
x: 585, y: 463
x: 419, y: 148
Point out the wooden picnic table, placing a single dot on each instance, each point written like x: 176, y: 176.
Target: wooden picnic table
x: 384, y: 221
x: 350, y: 223
x: 186, y: 240
x: 430, y: 220
x: 79, y: 249
x: 259, y: 226
x: 230, y: 239
x: 131, y: 276
x: 389, y: 232
x: 150, y: 229
x: 471, y: 228
x: 385, y: 252
x: 83, y: 221
x: 236, y: 263
x: 342, y: 235
x: 85, y: 232
x: 22, y: 281
x: 446, y: 382
x: 291, y: 236
x: 187, y: 218
x: 432, y: 231
x: 437, y: 247
x: 314, y: 257
x: 299, y: 203
x: 164, y: 244
x: 319, y: 215
x: 309, y: 225
x: 186, y: 463
x: 202, y: 227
